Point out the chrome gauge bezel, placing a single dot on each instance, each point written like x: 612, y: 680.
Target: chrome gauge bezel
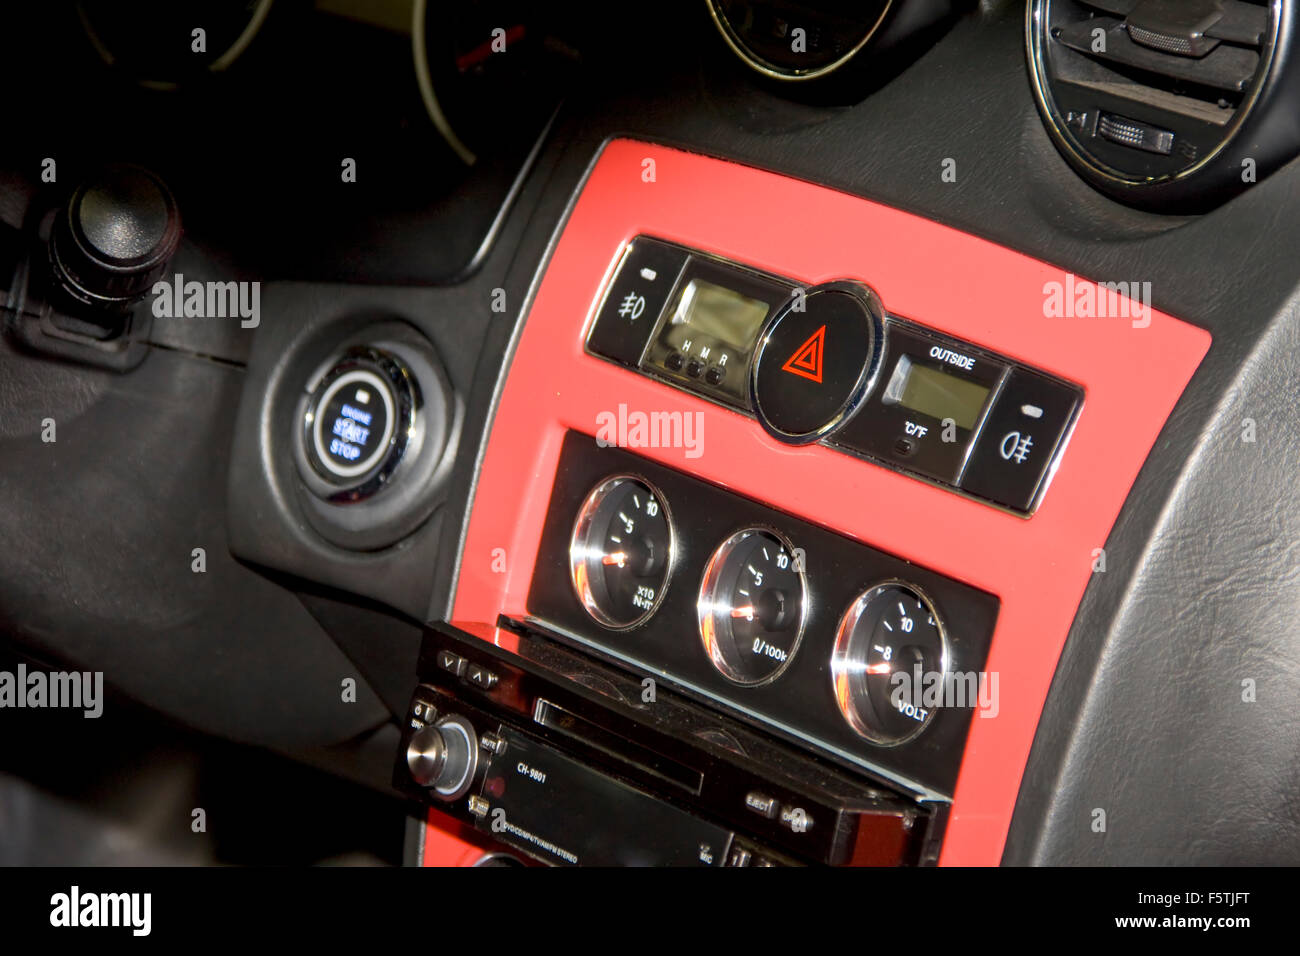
x: 773, y: 71
x: 843, y: 662
x: 578, y: 544
x: 705, y: 605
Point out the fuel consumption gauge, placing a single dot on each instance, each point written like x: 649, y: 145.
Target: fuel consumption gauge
x: 621, y: 552
x: 752, y: 605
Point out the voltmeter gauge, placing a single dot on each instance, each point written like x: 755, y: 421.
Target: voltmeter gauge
x: 753, y: 601
x: 889, y: 660
x: 621, y: 552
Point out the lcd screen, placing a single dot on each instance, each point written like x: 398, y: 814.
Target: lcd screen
x: 715, y: 312
x: 933, y: 392
x: 707, y: 332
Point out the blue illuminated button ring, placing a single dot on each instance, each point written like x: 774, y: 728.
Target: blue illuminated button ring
x: 359, y: 423
x: 354, y: 424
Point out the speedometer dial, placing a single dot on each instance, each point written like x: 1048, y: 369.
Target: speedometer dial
x: 621, y: 552
x: 752, y: 606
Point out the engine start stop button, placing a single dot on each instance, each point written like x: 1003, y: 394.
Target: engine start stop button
x: 353, y: 422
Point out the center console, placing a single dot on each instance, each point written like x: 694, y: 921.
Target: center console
x: 784, y: 515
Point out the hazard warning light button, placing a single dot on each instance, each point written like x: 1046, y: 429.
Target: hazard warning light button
x: 816, y: 361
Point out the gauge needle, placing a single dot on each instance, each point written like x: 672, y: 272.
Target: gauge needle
x: 746, y: 611
x: 485, y: 50
x: 618, y: 557
x: 882, y: 668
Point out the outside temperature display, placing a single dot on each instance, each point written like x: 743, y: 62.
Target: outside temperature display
x: 935, y: 393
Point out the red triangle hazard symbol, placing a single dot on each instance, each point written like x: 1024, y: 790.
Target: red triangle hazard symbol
x: 807, y: 358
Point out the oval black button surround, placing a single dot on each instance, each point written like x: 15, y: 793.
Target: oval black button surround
x: 813, y: 366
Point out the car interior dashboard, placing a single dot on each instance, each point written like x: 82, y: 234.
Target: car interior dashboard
x: 714, y: 433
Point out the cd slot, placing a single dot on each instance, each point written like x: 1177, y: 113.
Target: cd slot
x: 554, y: 717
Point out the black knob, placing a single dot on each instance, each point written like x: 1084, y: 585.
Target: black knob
x: 115, y: 237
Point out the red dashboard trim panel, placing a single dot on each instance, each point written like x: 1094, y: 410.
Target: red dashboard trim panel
x: 1132, y: 370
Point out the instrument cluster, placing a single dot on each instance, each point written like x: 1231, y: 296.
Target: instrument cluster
x: 809, y: 633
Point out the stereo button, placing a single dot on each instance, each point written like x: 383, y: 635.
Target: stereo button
x: 481, y: 677
x: 762, y: 804
x: 451, y: 663
x: 796, y: 819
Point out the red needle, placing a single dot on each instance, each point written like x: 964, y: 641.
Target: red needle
x: 746, y: 611
x: 484, y: 50
x: 618, y: 557
x: 878, y: 668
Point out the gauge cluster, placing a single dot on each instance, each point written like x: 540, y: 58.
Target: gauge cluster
x: 837, y: 48
x: 865, y: 657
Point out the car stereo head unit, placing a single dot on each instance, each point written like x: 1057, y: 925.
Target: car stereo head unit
x: 570, y: 762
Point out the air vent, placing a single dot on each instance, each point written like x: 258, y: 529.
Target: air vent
x: 1167, y: 103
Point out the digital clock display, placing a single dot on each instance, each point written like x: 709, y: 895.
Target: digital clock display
x: 706, y: 335
x: 718, y: 313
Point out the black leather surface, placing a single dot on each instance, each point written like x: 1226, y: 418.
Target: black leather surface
x: 96, y: 568
x: 1150, y: 717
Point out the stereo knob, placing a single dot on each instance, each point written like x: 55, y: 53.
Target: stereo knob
x: 816, y: 360
x: 444, y: 757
